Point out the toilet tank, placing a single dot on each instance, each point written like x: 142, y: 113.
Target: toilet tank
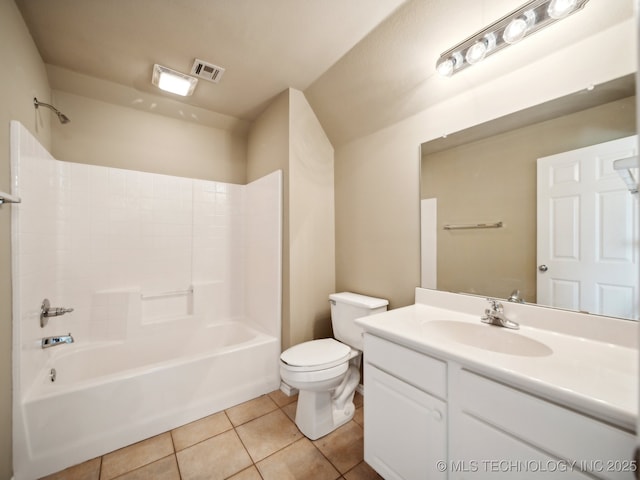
x: 345, y: 308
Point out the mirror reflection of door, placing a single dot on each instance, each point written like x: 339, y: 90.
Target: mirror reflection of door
x: 487, y: 173
x: 587, y: 231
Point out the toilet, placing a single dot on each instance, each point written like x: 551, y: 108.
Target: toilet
x: 327, y: 371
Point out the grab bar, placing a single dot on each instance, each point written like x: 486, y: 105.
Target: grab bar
x: 166, y: 294
x: 473, y: 225
x: 6, y: 198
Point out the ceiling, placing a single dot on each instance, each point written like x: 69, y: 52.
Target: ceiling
x: 362, y: 64
x: 265, y: 46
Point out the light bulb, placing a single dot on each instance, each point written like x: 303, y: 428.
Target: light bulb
x: 518, y: 28
x: 447, y: 67
x: 476, y: 52
x: 561, y: 8
x: 479, y: 50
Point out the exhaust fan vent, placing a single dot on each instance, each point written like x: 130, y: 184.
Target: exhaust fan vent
x: 208, y: 71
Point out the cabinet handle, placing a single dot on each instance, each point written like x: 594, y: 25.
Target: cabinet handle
x: 436, y: 414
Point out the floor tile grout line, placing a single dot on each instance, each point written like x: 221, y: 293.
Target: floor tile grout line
x: 204, y: 440
x: 280, y: 449
x: 143, y: 466
x: 244, y: 446
x: 329, y: 460
x: 175, y: 453
x: 252, y: 419
x: 255, y: 464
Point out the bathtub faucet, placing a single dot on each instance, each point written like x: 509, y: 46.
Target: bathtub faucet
x: 47, y: 311
x: 58, y: 340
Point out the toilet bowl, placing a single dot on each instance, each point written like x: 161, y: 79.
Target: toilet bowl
x: 327, y: 371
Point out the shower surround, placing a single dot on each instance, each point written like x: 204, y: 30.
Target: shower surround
x: 176, y: 289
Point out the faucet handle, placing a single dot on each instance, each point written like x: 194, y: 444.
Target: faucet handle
x: 496, y: 306
x: 47, y: 311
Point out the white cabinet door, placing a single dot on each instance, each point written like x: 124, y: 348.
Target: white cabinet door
x: 492, y: 421
x: 405, y: 429
x: 480, y: 451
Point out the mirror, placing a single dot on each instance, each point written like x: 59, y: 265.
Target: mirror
x: 486, y: 176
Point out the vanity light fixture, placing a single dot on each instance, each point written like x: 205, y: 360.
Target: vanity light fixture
x: 172, y: 81
x: 526, y: 20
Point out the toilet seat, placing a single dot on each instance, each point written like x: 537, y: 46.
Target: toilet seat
x: 315, y: 355
x: 317, y: 377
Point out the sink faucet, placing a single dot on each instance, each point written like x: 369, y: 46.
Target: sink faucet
x: 58, y: 340
x: 495, y: 316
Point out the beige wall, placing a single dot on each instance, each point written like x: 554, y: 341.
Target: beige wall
x: 311, y: 227
x: 494, y: 179
x: 377, y: 176
x: 105, y: 134
x: 22, y: 77
x: 377, y: 218
x: 268, y: 151
x: 288, y: 136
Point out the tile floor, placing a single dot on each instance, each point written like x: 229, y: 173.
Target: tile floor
x: 252, y: 441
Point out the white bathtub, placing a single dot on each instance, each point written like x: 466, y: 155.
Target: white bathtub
x: 109, y: 395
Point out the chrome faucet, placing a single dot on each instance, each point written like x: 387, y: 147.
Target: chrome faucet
x: 58, y: 340
x: 495, y: 316
x: 47, y: 311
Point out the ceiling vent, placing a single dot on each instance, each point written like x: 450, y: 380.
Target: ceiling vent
x: 208, y: 71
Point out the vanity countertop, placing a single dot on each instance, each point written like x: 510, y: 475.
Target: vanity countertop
x: 595, y: 377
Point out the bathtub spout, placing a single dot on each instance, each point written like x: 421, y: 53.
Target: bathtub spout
x: 58, y: 340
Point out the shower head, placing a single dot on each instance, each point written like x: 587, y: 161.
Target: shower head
x: 61, y: 116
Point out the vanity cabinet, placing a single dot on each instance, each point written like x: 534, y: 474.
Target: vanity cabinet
x: 431, y: 418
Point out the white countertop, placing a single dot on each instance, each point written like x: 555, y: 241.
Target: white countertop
x: 594, y: 377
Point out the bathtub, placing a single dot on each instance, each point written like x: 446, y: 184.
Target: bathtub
x: 110, y: 394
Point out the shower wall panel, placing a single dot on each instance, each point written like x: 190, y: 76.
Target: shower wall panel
x: 127, y: 248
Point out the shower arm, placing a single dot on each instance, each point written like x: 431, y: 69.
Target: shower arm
x: 61, y: 116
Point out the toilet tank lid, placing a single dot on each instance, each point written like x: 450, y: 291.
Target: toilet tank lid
x: 359, y: 300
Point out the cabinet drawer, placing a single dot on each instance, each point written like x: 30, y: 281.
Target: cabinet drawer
x: 598, y: 447
x: 427, y: 373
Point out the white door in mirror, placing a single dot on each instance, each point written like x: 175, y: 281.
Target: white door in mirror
x: 587, y: 230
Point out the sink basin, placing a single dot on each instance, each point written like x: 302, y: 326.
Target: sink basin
x: 487, y: 337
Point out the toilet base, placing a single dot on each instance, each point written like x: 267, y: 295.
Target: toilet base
x: 320, y: 413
